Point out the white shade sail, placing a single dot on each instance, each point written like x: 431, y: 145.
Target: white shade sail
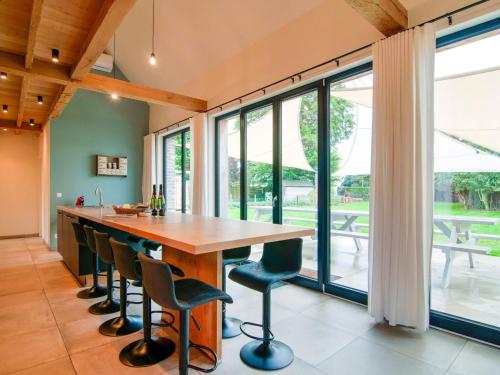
x: 259, y: 135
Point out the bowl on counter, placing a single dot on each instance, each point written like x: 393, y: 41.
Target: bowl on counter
x: 129, y: 210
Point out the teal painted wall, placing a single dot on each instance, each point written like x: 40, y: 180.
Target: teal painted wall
x: 94, y: 124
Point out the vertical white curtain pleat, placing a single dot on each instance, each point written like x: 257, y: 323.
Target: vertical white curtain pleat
x: 148, y: 167
x: 200, y: 165
x: 402, y: 178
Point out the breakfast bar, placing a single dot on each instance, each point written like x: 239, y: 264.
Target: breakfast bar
x: 194, y: 244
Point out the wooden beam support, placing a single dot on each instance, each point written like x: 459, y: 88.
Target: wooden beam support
x: 22, y: 100
x: 63, y: 98
x: 107, y: 85
x: 36, y: 15
x: 12, y: 125
x: 109, y: 18
x: 41, y: 70
x: 387, y: 16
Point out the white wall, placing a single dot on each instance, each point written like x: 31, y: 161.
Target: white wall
x: 20, y: 172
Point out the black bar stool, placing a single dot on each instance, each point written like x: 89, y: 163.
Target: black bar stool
x: 148, y: 350
x: 280, y: 261
x: 231, y: 326
x: 147, y: 246
x: 121, y: 325
x: 108, y: 306
x: 96, y: 290
x: 181, y: 295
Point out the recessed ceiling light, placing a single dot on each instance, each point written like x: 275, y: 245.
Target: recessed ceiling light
x: 4, y: 129
x: 3, y: 75
x: 55, y: 55
x: 114, y: 96
x: 32, y: 122
x: 39, y: 99
x: 5, y: 108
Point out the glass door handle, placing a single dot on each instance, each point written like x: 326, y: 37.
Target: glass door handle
x: 275, y: 199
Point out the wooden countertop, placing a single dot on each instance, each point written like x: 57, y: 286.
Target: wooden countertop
x: 192, y: 233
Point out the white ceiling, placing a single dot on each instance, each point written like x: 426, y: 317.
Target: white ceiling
x: 193, y: 36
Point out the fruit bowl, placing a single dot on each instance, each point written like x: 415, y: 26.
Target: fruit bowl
x: 129, y: 209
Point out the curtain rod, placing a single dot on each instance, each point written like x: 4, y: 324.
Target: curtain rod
x: 337, y: 59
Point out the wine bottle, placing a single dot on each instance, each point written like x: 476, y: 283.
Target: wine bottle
x: 152, y: 204
x: 161, y: 202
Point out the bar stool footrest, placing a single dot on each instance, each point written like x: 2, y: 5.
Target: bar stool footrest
x: 134, y: 302
x: 212, y: 356
x: 164, y: 324
x: 244, y: 324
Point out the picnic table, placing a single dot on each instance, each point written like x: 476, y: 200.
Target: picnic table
x: 457, y: 230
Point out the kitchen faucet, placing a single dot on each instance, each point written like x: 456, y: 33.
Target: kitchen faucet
x: 99, y: 191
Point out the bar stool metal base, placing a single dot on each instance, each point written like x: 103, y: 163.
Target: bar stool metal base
x: 93, y: 292
x: 120, y: 326
x: 142, y: 353
x: 105, y: 307
x: 271, y: 356
x: 231, y: 327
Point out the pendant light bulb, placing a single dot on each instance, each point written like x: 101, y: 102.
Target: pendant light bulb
x: 152, y: 59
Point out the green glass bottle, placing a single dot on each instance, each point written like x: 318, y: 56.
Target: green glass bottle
x: 152, y: 204
x: 161, y: 201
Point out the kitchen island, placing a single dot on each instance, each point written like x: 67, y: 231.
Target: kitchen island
x: 191, y: 242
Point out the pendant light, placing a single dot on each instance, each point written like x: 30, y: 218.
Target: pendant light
x: 152, y: 57
x: 39, y: 99
x: 114, y: 95
x: 3, y: 75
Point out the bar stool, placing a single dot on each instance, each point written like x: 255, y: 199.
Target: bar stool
x: 149, y: 246
x: 121, y: 325
x: 148, y: 350
x: 231, y: 326
x: 280, y: 261
x: 181, y: 295
x: 96, y: 290
x: 108, y: 306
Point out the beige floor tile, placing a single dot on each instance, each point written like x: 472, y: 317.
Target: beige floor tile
x: 73, y: 309
x: 297, y: 298
x: 61, y: 366
x: 105, y: 360
x: 29, y: 349
x: 434, y: 347
x: 60, y: 294
x: 15, y: 259
x: 19, y: 279
x: 476, y: 358
x: 45, y: 256
x: 311, y: 341
x: 364, y: 357
x: 23, y: 313
x: 83, y: 334
x: 339, y: 313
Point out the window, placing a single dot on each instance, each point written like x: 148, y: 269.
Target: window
x: 176, y: 170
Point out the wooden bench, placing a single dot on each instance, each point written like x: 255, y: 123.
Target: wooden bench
x: 466, y: 247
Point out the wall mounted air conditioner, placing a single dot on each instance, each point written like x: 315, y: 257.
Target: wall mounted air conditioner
x: 104, y: 63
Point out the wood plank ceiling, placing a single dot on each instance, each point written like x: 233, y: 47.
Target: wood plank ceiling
x: 79, y: 30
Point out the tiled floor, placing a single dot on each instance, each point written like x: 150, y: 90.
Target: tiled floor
x: 44, y: 329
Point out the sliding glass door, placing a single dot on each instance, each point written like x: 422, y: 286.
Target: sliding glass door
x: 177, y: 170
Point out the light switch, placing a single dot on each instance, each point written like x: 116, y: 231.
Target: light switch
x: 59, y: 195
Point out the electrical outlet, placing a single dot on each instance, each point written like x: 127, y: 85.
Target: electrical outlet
x: 59, y: 195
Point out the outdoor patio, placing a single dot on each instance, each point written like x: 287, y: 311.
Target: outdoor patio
x: 472, y: 292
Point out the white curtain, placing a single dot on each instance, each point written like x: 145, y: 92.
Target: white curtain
x: 402, y: 178
x: 148, y: 167
x: 200, y: 165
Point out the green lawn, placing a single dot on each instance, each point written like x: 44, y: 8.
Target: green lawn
x: 440, y: 208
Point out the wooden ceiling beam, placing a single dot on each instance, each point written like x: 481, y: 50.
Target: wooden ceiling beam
x: 12, y: 125
x: 107, y: 85
x: 41, y: 70
x: 22, y: 100
x: 36, y: 15
x: 387, y: 16
x: 110, y: 16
